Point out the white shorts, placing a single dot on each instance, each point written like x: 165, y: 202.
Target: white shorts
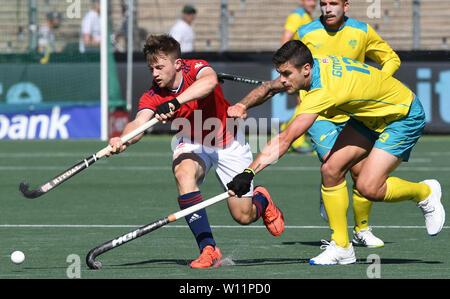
x: 227, y: 161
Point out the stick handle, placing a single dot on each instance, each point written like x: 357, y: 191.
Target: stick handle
x: 101, y: 153
x: 241, y: 79
x: 68, y: 173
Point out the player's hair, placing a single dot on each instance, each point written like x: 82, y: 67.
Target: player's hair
x: 295, y: 52
x: 161, y: 44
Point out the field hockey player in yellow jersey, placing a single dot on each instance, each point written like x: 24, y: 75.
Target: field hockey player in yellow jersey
x: 299, y: 17
x: 335, y: 34
x: 386, y: 120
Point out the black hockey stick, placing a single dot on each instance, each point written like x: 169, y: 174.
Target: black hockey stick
x: 24, y: 187
x: 143, y: 230
x: 223, y: 76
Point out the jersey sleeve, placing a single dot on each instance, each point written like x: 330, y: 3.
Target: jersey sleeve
x: 379, y: 51
x: 148, y: 101
x: 292, y: 23
x: 316, y: 101
x: 195, y: 67
x: 295, y: 21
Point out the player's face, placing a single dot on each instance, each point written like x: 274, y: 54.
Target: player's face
x: 56, y: 23
x: 189, y: 18
x: 308, y: 5
x: 291, y: 77
x: 333, y: 12
x: 164, y: 70
x: 96, y: 6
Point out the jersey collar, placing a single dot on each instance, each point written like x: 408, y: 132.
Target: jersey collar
x: 315, y: 76
x: 176, y: 91
x: 328, y: 30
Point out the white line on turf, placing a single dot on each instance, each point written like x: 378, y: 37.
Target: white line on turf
x: 418, y: 157
x: 185, y: 226
x: 78, y: 154
x: 149, y: 168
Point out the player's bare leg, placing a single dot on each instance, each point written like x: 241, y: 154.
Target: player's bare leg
x: 247, y: 210
x: 426, y: 194
x: 187, y: 173
x: 350, y: 148
x: 242, y: 209
x: 373, y: 175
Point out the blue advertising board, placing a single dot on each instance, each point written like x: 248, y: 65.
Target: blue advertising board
x: 59, y: 122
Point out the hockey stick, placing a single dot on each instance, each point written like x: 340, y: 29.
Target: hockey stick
x: 139, y: 232
x: 68, y: 173
x: 223, y: 76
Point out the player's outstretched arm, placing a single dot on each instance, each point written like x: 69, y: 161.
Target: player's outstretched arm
x: 279, y: 145
x: 205, y: 83
x: 272, y: 151
x: 116, y: 144
x: 256, y: 97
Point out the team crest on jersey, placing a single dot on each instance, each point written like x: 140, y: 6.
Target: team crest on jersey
x: 325, y: 60
x: 198, y: 64
x: 353, y: 43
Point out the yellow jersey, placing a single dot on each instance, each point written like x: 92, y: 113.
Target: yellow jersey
x: 344, y: 86
x: 296, y: 19
x: 355, y: 40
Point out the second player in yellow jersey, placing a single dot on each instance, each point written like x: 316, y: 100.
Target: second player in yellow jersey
x: 355, y: 40
x: 355, y: 89
x: 336, y: 34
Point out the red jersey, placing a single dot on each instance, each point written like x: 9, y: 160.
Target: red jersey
x: 206, y: 118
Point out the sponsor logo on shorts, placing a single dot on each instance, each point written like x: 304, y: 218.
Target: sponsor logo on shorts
x: 328, y: 134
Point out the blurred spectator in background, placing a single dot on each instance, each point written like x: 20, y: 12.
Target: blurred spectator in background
x: 182, y: 30
x: 46, y: 40
x: 299, y: 17
x: 91, y: 29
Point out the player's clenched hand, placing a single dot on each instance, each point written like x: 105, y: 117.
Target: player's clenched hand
x: 241, y: 183
x: 116, y: 146
x: 166, y: 110
x: 237, y: 111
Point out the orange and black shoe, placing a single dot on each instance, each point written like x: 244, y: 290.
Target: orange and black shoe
x: 272, y: 217
x: 210, y: 258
